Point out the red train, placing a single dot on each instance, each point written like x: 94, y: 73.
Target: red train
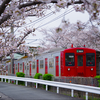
x: 78, y: 61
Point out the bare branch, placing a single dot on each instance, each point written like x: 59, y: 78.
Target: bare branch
x: 3, y: 6
x: 35, y: 3
x: 76, y: 2
x: 4, y: 18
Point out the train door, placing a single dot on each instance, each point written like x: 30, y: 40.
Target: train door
x: 57, y: 65
x: 37, y: 66
x: 46, y: 65
x: 14, y: 70
x: 18, y: 67
x: 80, y: 65
x: 23, y: 67
x: 69, y: 69
x: 30, y: 70
x: 90, y: 64
x: 6, y: 70
x: 62, y: 63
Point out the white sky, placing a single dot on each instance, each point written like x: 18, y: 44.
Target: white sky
x: 73, y: 17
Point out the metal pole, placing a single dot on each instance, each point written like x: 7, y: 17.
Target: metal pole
x: 5, y: 79
x: 12, y: 60
x: 8, y: 80
x: 2, y: 80
x: 72, y: 93
x: 16, y: 82
x: 86, y: 95
x: 46, y: 87
x: 57, y: 89
x: 36, y: 85
x: 25, y: 83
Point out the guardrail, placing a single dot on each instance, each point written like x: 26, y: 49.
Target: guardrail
x: 84, y: 88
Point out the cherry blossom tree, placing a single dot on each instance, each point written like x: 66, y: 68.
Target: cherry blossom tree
x: 15, y: 11
x: 78, y: 34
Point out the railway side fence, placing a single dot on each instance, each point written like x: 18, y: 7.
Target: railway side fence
x: 72, y: 87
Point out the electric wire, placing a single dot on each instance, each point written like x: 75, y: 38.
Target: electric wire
x: 59, y: 15
x: 32, y: 41
x: 41, y: 19
x: 65, y: 13
x: 55, y: 19
x: 38, y: 20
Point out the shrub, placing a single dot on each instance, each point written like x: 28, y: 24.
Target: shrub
x: 37, y: 75
x: 47, y: 77
x: 20, y: 74
x: 98, y: 79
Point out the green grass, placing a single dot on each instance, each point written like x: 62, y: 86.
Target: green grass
x: 90, y: 98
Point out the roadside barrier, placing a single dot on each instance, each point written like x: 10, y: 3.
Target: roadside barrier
x: 83, y: 88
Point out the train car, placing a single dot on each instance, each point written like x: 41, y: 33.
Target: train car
x: 78, y: 62
x: 49, y: 62
x: 71, y: 62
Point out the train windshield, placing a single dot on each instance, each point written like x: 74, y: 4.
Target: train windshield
x: 80, y: 60
x: 69, y: 59
x: 90, y: 59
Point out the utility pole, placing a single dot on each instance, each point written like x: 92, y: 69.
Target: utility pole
x: 12, y: 60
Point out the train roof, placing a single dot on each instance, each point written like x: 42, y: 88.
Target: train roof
x: 63, y: 49
x: 53, y: 50
x: 79, y: 48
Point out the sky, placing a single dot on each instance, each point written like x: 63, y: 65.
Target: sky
x: 52, y: 21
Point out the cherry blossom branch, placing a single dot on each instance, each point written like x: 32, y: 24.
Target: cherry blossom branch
x: 4, y: 4
x: 25, y: 36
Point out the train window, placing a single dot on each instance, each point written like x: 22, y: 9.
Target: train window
x: 16, y: 66
x: 51, y: 63
x: 20, y: 66
x: 90, y: 59
x: 80, y: 60
x: 33, y: 65
x: 41, y: 63
x: 25, y: 67
x: 69, y: 59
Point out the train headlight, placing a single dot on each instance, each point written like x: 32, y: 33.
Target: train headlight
x: 68, y: 68
x: 91, y: 68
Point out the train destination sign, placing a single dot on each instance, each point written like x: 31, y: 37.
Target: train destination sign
x: 80, y: 51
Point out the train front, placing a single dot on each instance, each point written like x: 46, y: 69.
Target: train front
x: 78, y: 62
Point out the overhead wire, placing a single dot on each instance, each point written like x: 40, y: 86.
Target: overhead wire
x: 32, y: 41
x: 48, y: 15
x: 43, y: 18
x: 65, y: 13
x: 38, y: 20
